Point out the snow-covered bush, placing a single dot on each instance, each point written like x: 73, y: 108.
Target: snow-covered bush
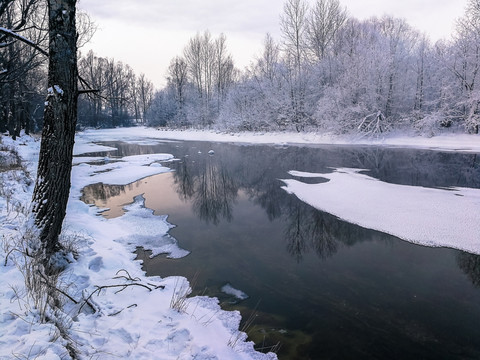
x: 428, y: 124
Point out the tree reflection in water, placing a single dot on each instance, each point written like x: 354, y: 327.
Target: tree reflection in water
x: 212, y: 188
x: 470, y: 265
x: 209, y: 186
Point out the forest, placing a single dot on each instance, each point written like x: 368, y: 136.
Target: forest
x: 329, y: 72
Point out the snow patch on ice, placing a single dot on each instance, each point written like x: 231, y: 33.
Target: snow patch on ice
x: 122, y: 172
x: 139, y: 227
x: 426, y: 216
x: 82, y: 147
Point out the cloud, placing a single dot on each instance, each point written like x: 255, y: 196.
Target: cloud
x: 218, y: 16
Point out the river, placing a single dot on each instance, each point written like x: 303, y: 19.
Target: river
x: 318, y: 287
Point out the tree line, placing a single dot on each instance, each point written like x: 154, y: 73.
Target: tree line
x: 329, y: 72
x: 122, y: 97
x: 22, y: 67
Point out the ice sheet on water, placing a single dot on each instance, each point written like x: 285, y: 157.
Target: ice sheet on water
x: 141, y: 228
x: 125, y: 171
x: 426, y: 216
x: 85, y: 148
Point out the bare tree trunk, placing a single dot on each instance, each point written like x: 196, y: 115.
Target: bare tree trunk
x: 52, y: 186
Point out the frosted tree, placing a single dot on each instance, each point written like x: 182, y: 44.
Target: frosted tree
x: 178, y: 81
x: 199, y: 55
x: 324, y: 21
x: 399, y: 41
x: 211, y: 71
x: 465, y: 64
x: 268, y: 63
x: 293, y: 24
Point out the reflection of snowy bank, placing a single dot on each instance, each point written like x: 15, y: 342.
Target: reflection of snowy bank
x: 432, y: 217
x: 230, y: 290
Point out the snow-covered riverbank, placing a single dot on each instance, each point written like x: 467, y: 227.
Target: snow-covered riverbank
x: 448, y: 142
x: 137, y: 317
x: 150, y: 318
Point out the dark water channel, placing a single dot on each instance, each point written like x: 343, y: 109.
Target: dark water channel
x: 318, y: 286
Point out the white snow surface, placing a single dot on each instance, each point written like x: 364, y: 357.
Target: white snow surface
x: 448, y: 142
x: 426, y: 216
x: 132, y: 322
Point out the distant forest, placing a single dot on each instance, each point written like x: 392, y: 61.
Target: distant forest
x: 329, y: 72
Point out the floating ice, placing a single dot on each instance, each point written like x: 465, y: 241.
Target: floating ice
x: 139, y: 227
x: 426, y: 216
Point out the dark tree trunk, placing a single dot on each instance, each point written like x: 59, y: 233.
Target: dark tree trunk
x: 52, y: 186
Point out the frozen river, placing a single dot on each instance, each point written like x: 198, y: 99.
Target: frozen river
x: 318, y: 286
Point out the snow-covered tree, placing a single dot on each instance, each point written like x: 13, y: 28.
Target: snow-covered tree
x: 324, y: 22
x: 465, y: 65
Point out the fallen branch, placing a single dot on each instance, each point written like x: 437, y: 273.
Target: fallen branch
x: 121, y: 286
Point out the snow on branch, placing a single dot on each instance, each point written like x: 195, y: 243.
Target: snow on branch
x: 16, y: 36
x: 373, y: 124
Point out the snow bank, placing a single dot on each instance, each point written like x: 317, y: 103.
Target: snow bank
x: 450, y: 142
x: 426, y: 216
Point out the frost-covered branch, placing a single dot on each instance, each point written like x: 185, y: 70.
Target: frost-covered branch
x: 23, y: 39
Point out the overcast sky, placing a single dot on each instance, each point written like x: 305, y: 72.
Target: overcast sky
x: 147, y: 34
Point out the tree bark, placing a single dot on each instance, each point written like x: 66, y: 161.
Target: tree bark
x: 52, y: 186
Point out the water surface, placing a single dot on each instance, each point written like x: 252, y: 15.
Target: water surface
x: 318, y: 286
